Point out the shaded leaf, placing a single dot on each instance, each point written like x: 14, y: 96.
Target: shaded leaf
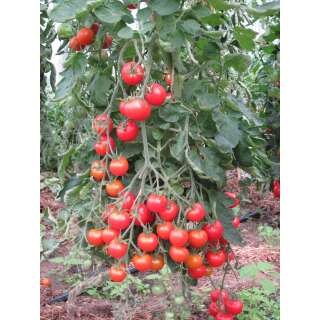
x: 66, y: 10
x: 164, y: 7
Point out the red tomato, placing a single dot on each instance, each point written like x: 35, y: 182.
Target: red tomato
x: 104, y: 146
x: 197, y: 213
x: 234, y: 307
x: 215, y: 295
x: 119, y: 167
x: 107, y: 42
x: 214, y: 230
x: 170, y: 212
x: 127, y: 131
x: 216, y: 259
x: 142, y: 215
x: 198, y: 273
x: 156, y: 94
x: 131, y: 73
x: 213, y: 309
x: 224, y: 316
x: 136, y: 109
x: 276, y: 189
x: 85, y: 36
x: 157, y: 262
x: 132, y: 6
x: 95, y: 27
x: 236, y: 222
x: 164, y: 230
x: 179, y: 254
x: 231, y: 256
x: 142, y: 263
x: 108, y: 234
x: 46, y: 282
x: 198, y: 238
x: 129, y: 199
x: 117, y: 274
x: 147, y: 242
x: 236, y: 202
x: 119, y: 220
x: 156, y: 203
x: 168, y: 79
x: 194, y: 261
x: 74, y: 44
x: 94, y: 237
x: 178, y: 237
x: 101, y: 122
x: 117, y: 249
x: 98, y: 170
x: 114, y: 188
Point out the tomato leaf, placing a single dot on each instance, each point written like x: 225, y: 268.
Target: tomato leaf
x: 164, y: 7
x: 237, y: 61
x: 66, y: 10
x: 125, y: 33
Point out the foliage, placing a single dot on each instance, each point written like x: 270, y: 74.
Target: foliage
x: 269, y: 234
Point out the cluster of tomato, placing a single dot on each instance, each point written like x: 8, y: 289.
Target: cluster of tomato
x: 221, y: 298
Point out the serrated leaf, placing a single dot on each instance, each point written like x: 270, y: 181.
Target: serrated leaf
x: 66, y: 10
x: 125, y: 33
x: 164, y: 7
x: 112, y: 13
x: 245, y: 37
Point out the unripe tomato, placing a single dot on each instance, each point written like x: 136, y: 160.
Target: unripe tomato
x: 117, y: 249
x: 214, y: 230
x: 236, y: 222
x: 101, y: 122
x: 98, y: 170
x: 157, y: 262
x: 216, y: 259
x: 74, y: 44
x: 194, y: 261
x: 46, y: 282
x: 197, y: 213
x: 114, y: 188
x: 136, y: 109
x: 131, y: 73
x: 94, y: 237
x: 215, y: 295
x: 156, y: 203
x: 127, y: 131
x: 178, y: 237
x: 179, y: 254
x: 142, y: 263
x: 147, y: 242
x: 119, y: 167
x: 234, y: 307
x: 129, y: 199
x: 107, y: 42
x: 156, y: 94
x: 170, y: 212
x: 168, y: 79
x: 198, y: 272
x: 104, y: 146
x: 164, y: 230
x: 213, y: 309
x: 158, y: 289
x: 108, y: 234
x: 117, y: 274
x: 224, y: 316
x: 119, y: 220
x: 65, y: 31
x: 85, y: 36
x: 95, y: 27
x: 179, y: 300
x: 198, y: 238
x: 142, y: 215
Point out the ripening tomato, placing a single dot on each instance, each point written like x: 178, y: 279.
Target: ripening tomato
x: 234, y: 307
x: 197, y: 273
x: 197, y: 213
x: 168, y: 79
x: 46, y: 282
x: 136, y: 109
x: 178, y: 237
x: 95, y: 27
x: 156, y: 94
x: 157, y: 262
x: 107, y: 42
x: 236, y: 222
x: 114, y: 188
x: 127, y: 131
x: 194, y: 261
x: 164, y: 230
x: 108, y: 234
x: 214, y: 230
x: 170, y: 212
x: 179, y: 254
x: 101, y: 122
x: 276, y: 189
x: 142, y: 263
x: 132, y: 73
x: 216, y: 259
x: 213, y: 309
x: 156, y: 203
x: 85, y: 36
x: 104, y: 146
x: 98, y: 170
x: 198, y: 238
x: 224, y: 316
x: 147, y: 242
x: 215, y: 295
x: 209, y: 271
x: 119, y: 167
x: 74, y: 44
x: 117, y: 274
x: 142, y: 215
x: 94, y: 237
x: 129, y: 199
x: 119, y: 220
x: 117, y: 249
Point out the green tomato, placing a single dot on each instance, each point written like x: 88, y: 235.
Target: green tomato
x: 158, y: 289
x: 65, y: 31
x: 179, y: 300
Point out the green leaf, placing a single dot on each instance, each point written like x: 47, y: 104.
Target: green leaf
x: 65, y: 161
x: 57, y: 260
x: 66, y: 10
x: 164, y: 7
x: 125, y: 33
x: 111, y: 13
x: 268, y: 286
x: 157, y: 134
x: 265, y: 10
x: 169, y: 114
x: 99, y: 88
x: 208, y: 101
x: 131, y: 149
x: 249, y: 271
x: 245, y: 37
x: 239, y: 62
x: 177, y: 149
x: 191, y: 26
x: 265, y: 266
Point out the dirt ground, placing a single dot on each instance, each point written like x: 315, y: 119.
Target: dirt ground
x: 89, y: 308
